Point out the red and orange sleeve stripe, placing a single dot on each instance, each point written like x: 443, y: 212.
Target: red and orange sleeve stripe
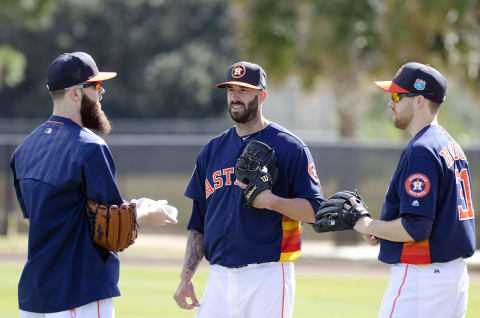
x: 416, y: 253
x: 291, y: 240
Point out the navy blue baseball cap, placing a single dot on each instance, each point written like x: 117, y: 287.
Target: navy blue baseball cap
x: 70, y: 69
x: 245, y: 74
x: 417, y: 78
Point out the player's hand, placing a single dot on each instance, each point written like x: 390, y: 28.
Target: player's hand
x: 362, y: 222
x: 155, y: 213
x: 162, y: 216
x: 347, y: 206
x: 263, y: 199
x: 186, y: 290
x: 371, y: 240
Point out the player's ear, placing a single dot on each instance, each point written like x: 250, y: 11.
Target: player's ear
x: 262, y: 97
x: 420, y: 102
x: 74, y: 94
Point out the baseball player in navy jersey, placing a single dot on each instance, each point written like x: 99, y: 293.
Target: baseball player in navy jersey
x: 426, y: 228
x: 56, y: 169
x: 250, y: 251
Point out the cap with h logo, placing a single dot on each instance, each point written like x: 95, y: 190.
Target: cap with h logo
x: 417, y: 78
x: 245, y: 74
x: 70, y: 69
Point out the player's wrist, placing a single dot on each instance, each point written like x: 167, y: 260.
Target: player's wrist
x: 270, y: 200
x: 186, y: 276
x: 363, y: 224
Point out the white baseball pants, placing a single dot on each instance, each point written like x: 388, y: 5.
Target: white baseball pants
x: 257, y: 290
x: 97, y: 309
x: 433, y: 290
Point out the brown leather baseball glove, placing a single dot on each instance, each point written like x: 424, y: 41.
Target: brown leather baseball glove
x: 113, y: 228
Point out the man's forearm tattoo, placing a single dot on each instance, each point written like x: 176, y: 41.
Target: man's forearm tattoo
x: 194, y: 252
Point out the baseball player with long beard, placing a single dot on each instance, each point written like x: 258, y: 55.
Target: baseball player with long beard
x: 60, y: 166
x: 427, y: 225
x: 250, y: 251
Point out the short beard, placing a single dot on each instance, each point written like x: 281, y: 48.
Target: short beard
x: 402, y: 122
x: 249, y: 114
x: 93, y: 117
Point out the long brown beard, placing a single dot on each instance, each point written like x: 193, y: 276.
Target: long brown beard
x: 249, y: 114
x: 93, y: 117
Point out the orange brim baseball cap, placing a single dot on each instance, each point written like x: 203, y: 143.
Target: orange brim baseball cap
x: 102, y: 76
x: 245, y: 74
x: 222, y: 85
x: 419, y: 79
x: 70, y: 69
x: 390, y: 86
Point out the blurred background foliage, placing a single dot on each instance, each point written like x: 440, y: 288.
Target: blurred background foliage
x: 170, y: 53
x: 167, y: 53
x: 347, y: 42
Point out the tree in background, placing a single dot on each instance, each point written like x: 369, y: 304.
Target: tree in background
x: 24, y: 16
x: 344, y: 41
x: 168, y: 54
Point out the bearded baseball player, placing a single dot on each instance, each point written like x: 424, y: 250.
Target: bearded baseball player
x: 64, y: 178
x: 250, y: 229
x: 427, y: 226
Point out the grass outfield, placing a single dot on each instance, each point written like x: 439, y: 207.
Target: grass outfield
x: 147, y: 292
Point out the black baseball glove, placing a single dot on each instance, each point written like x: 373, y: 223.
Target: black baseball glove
x: 256, y: 168
x: 332, y: 217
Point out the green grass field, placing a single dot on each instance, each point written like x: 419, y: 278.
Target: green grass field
x: 147, y: 292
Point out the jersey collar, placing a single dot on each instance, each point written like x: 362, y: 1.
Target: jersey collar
x: 62, y: 121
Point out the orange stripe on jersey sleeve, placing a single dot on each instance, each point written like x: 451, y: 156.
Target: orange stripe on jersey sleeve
x: 291, y: 244
x: 293, y: 232
x: 416, y: 252
x: 289, y: 224
x: 289, y: 257
x: 291, y: 240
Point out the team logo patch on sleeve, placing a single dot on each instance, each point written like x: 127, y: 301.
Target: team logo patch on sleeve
x: 313, y: 172
x: 417, y: 185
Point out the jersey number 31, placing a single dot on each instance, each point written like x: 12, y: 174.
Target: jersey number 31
x: 465, y: 210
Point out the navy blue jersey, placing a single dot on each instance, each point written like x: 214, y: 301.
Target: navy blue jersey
x: 234, y: 234
x: 432, y: 180
x: 55, y: 169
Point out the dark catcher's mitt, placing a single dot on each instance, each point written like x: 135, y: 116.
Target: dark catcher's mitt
x: 332, y: 217
x: 256, y: 168
x: 113, y: 228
